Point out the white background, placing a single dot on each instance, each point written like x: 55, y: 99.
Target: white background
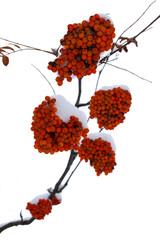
x: 124, y: 204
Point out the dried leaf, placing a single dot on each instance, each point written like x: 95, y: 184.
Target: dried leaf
x: 5, y: 60
x: 6, y: 47
x: 1, y: 50
x: 16, y: 46
x: 125, y: 49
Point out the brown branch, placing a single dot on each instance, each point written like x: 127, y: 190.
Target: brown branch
x: 16, y: 223
x: 56, y: 189
x: 133, y: 39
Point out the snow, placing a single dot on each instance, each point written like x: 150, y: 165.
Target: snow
x: 42, y: 196
x: 104, y: 88
x: 103, y: 136
x: 106, y: 17
x: 65, y: 109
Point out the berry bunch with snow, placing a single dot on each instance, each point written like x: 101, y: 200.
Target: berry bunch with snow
x: 39, y: 210
x: 109, y: 106
x: 98, y: 149
x: 82, y: 46
x: 58, y: 125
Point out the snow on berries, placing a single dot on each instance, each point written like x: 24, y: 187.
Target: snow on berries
x: 58, y: 125
x: 41, y: 206
x: 99, y: 152
x: 109, y: 106
x: 81, y: 48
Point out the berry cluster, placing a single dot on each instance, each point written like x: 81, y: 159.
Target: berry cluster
x: 81, y: 48
x: 100, y: 154
x: 55, y: 200
x: 39, y: 210
x: 51, y: 133
x: 109, y: 107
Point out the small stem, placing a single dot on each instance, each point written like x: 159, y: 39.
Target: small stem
x: 79, y: 92
x: 27, y: 46
x: 69, y: 177
x: 83, y: 104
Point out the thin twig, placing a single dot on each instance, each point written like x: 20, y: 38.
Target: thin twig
x: 128, y: 72
x: 27, y: 46
x: 69, y: 177
x: 45, y: 78
x: 136, y: 20
x: 79, y: 91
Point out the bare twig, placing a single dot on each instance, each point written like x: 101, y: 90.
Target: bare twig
x: 136, y: 20
x: 33, y: 48
x: 128, y: 72
x: 45, y: 78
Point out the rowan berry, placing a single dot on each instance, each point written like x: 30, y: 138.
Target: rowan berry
x: 39, y: 210
x: 109, y: 107
x: 51, y: 133
x: 99, y: 153
x: 95, y: 35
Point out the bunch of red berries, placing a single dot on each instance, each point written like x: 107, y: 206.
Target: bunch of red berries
x: 39, y: 210
x: 51, y: 133
x: 100, y: 154
x: 109, y: 107
x: 82, y: 46
x: 43, y: 207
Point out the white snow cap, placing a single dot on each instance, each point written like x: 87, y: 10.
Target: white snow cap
x: 65, y: 109
x: 103, y: 136
x: 42, y: 196
x: 104, y: 88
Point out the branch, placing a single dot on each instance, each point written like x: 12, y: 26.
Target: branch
x: 136, y: 20
x: 72, y: 157
x: 83, y: 104
x: 16, y: 223
x: 56, y: 189
x: 130, y: 40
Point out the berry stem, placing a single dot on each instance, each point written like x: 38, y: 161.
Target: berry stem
x: 79, y: 92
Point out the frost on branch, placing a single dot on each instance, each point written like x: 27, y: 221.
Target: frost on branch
x: 58, y: 125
